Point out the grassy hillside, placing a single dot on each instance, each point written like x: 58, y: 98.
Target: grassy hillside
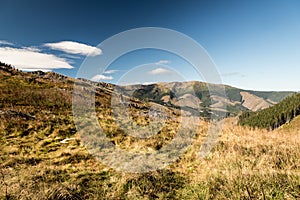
x: 293, y: 126
x: 275, y: 116
x: 36, y: 162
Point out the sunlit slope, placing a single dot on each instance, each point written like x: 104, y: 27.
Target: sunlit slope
x: 42, y: 156
x: 293, y: 126
x: 275, y: 116
x: 209, y: 98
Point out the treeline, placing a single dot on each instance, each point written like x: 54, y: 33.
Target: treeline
x: 7, y: 68
x: 275, y: 116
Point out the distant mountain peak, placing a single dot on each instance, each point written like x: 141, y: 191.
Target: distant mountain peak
x: 195, y: 98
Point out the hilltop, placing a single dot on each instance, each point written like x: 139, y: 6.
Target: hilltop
x: 195, y: 96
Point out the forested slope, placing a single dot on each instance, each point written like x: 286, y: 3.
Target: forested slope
x: 275, y: 116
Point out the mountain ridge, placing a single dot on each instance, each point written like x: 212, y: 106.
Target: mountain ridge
x: 195, y: 97
x: 234, y: 100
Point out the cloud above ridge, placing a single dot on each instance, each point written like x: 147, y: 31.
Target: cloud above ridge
x: 4, y: 42
x: 32, y: 59
x: 101, y: 77
x: 74, y: 48
x: 163, y: 62
x: 159, y: 71
x: 112, y: 71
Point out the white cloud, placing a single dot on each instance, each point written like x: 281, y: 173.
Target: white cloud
x: 124, y: 83
x: 4, y: 42
x: 100, y: 77
x: 110, y: 71
x: 34, y: 49
x: 159, y: 71
x: 232, y: 74
x: 70, y: 56
x: 31, y: 59
x: 163, y: 62
x: 74, y: 48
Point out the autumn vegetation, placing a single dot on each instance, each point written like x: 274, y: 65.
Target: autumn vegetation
x: 36, y: 116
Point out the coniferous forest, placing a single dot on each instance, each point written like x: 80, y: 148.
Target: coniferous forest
x: 274, y: 116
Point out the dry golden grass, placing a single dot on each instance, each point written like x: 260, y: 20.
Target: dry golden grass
x: 245, y: 164
x: 34, y: 164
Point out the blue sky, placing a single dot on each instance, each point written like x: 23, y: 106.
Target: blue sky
x: 254, y: 44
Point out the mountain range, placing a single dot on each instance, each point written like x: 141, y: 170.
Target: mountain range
x: 208, y: 98
x: 192, y: 98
